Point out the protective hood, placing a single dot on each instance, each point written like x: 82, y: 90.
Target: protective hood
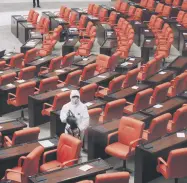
x: 74, y: 93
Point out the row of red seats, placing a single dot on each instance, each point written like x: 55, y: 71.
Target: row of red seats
x: 176, y: 3
x: 163, y: 10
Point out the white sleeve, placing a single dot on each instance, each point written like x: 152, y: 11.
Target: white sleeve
x: 85, y: 119
x: 63, y: 114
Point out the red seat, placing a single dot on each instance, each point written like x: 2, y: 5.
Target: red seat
x: 129, y: 135
x: 95, y: 11
x: 68, y: 59
x: 87, y: 93
x: 150, y: 5
x: 143, y: 3
x: 30, y: 55
x: 22, y: 136
x: 67, y: 14
x: 137, y: 15
x: 94, y: 115
x: 67, y: 152
x: 184, y: 5
x: 85, y: 31
x: 30, y: 15
x: 103, y: 14
x: 117, y: 5
x: 113, y: 110
x: 119, y: 25
x: 73, y: 19
x: 152, y: 21
x: 114, y: 85
x: 40, y: 24
x: 180, y: 16
x: 179, y: 120
x: 90, y: 8
x: 45, y: 28
x: 59, y: 100
x: 54, y: 65
x: 7, y: 78
x: 48, y: 84
x: 175, y: 167
x: 169, y: 2
x: 131, y: 78
x: 141, y: 101
x: 114, y: 177
x: 35, y: 18
x: 2, y: 65
x: 160, y: 93
x: 88, y: 71
x: 176, y: 3
x: 16, y: 61
x: 72, y: 78
x: 27, y: 166
x: 27, y: 73
x: 159, y: 8
x: 123, y: 7
x: 62, y: 11
x: 111, y: 20
x: 157, y: 128
x: 82, y: 22
x: 166, y: 11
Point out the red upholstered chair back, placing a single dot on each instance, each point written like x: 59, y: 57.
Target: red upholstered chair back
x: 90, y: 8
x: 142, y: 98
x: 23, y: 91
x: 158, y: 126
x: 60, y: 100
x: 62, y: 11
x: 117, y: 5
x: 115, y: 177
x: 179, y: 118
x: 113, y: 61
x: 30, y: 55
x: 159, y: 8
x: 31, y: 163
x: 184, y: 20
x: 131, y: 78
x: 2, y: 65
x: 103, y: 14
x: 143, y: 3
x: 35, y: 18
x: 30, y: 15
x: 169, y: 2
x: 73, y: 18
x: 131, y: 11
x: 55, y: 63
x: 114, y: 109
x: 129, y: 130
x: 184, y: 5
x: 7, y: 78
x: 95, y: 10
x: 27, y: 73
x: 120, y: 23
x: 166, y: 11
x: 123, y: 7
x: 88, y: 71
x: 67, y: 13
x: 116, y: 84
x: 46, y: 26
x: 73, y: 78
x: 92, y: 32
x: 176, y: 3
x: 68, y: 59
x: 82, y: 21
x: 88, y: 27
x: 48, y: 84
x: 150, y: 5
x: 180, y: 15
x: 25, y: 135
x: 41, y: 22
x: 160, y: 93
x: 68, y: 148
x: 102, y: 62
x: 158, y: 24
x: 176, y: 163
x: 16, y: 61
x: 87, y: 93
x: 152, y: 21
x: 112, y: 18
x: 138, y: 14
x: 94, y: 115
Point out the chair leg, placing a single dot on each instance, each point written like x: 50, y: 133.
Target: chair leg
x: 23, y: 116
x: 125, y: 167
x: 176, y: 180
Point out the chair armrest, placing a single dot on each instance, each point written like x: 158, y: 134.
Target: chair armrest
x: 14, y: 171
x: 37, y: 89
x: 20, y: 161
x: 161, y: 160
x: 100, y: 88
x: 45, y: 105
x: 43, y: 68
x: 11, y: 95
x: 70, y: 161
x: 146, y: 131
x: 59, y: 81
x: 184, y: 105
x: 133, y: 143
x: 173, y: 17
x: 129, y: 103
x: 110, y: 135
x: 7, y: 140
x: 48, y: 153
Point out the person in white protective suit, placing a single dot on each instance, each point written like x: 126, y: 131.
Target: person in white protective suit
x: 79, y: 110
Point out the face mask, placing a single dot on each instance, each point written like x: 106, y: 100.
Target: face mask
x: 75, y: 100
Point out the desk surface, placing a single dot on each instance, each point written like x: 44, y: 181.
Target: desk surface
x: 50, y: 14
x: 22, y: 149
x: 8, y: 56
x: 85, y: 61
x: 167, y: 106
x: 127, y: 92
x: 32, y: 42
x: 19, y: 17
x: 71, y: 42
x: 72, y: 174
x: 27, y: 25
x: 9, y: 71
x: 110, y: 43
x: 149, y: 43
x: 179, y: 63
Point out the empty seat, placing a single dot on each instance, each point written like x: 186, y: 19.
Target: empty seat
x: 150, y: 5
x: 159, y: 8
x: 166, y: 11
x: 30, y: 15
x: 59, y: 100
x: 68, y: 59
x: 7, y: 78
x: 157, y: 128
x: 88, y: 71
x: 16, y: 61
x: 30, y: 55
x: 123, y: 7
x: 35, y: 18
x: 67, y: 14
x: 141, y: 101
x: 113, y: 110
x: 111, y: 20
x: 22, y: 136
x: 27, y: 73
x: 94, y: 115
x: 72, y: 19
x: 117, y: 5
x: 95, y: 11
x: 90, y: 8
x: 62, y: 11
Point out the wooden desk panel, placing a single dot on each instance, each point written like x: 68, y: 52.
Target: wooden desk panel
x: 69, y: 46
x: 73, y: 173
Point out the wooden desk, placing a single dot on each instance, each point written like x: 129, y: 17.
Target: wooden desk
x: 108, y: 8
x: 97, y: 138
x: 35, y: 35
x: 61, y: 73
x: 108, y: 47
x: 170, y: 105
x: 101, y: 29
x: 30, y: 44
x: 183, y: 43
x: 161, y: 77
x: 92, y: 19
x: 85, y: 61
x: 79, y: 12
x: 23, y: 31
x: 35, y: 105
x: 49, y: 15
x: 127, y: 93
x: 69, y: 46
x: 146, y: 34
x: 146, y: 156
x: 179, y: 64
x: 44, y: 61
x: 101, y: 79
x: 15, y: 19
x: 129, y: 64
x: 4, y: 90
x: 73, y: 173
x: 9, y: 156
x: 148, y: 46
x: 55, y: 22
x: 72, y: 33
x: 57, y: 127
